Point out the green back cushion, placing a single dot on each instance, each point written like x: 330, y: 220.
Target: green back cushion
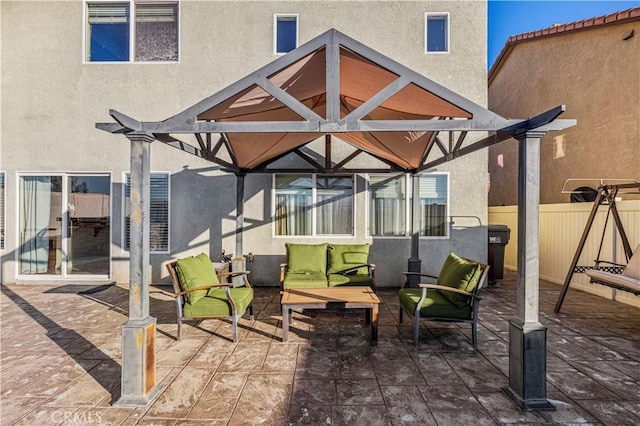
x: 303, y: 258
x: 458, y: 273
x: 195, y: 272
x: 345, y: 256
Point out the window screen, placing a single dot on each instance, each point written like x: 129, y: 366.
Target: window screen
x: 158, y: 213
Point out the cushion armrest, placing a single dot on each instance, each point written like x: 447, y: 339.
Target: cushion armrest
x: 233, y: 274
x: 420, y: 274
x: 204, y: 287
x: 446, y: 288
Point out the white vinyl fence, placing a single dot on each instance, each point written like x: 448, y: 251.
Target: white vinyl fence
x: 561, y: 226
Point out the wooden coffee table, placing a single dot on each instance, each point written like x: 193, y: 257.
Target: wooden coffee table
x: 330, y: 297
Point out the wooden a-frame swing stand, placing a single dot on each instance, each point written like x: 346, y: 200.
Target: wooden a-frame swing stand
x: 606, y: 196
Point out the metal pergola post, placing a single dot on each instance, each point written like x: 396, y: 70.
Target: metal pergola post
x: 139, y: 332
x: 527, y: 337
x: 415, y: 264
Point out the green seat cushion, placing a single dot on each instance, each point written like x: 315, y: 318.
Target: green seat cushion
x: 306, y: 280
x: 303, y: 258
x: 196, y: 272
x: 458, y: 273
x: 356, y: 279
x: 342, y: 257
x: 436, y: 305
x: 216, y: 304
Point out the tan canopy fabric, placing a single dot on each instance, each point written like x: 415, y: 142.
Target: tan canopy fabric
x: 304, y: 80
x: 332, y: 85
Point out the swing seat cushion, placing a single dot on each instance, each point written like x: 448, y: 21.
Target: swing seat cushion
x: 628, y: 280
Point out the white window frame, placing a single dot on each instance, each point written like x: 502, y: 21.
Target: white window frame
x: 3, y: 212
x: 275, y: 30
x: 447, y: 16
x: 64, y: 231
x: 408, y: 200
x: 132, y: 33
x: 314, y: 208
x: 124, y: 213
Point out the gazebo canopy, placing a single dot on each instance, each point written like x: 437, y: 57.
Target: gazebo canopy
x: 332, y: 85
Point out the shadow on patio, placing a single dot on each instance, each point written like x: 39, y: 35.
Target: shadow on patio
x: 61, y: 362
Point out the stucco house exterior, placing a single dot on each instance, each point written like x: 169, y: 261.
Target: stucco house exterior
x: 65, y: 183
x: 592, y: 67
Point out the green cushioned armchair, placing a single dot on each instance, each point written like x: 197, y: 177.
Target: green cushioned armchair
x: 455, y: 297
x: 199, y: 294
x: 327, y: 265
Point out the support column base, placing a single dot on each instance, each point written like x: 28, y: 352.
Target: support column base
x: 529, y: 405
x: 528, y: 366
x: 138, y: 363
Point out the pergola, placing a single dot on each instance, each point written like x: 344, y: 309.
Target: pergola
x: 334, y: 86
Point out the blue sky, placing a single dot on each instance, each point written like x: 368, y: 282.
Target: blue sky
x: 507, y: 18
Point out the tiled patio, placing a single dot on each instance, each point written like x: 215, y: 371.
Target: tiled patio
x: 60, y: 353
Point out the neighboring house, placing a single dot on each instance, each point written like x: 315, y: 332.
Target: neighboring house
x: 64, y: 184
x: 591, y: 66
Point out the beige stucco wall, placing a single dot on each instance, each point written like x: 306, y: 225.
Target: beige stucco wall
x: 51, y: 101
x: 596, y: 74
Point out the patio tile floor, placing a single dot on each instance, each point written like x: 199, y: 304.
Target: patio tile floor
x: 60, y: 363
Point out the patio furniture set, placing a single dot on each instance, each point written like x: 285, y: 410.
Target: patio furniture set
x: 322, y: 276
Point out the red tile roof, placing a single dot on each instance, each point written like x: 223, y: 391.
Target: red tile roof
x: 559, y: 29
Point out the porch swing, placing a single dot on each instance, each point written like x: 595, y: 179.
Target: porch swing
x: 609, y: 273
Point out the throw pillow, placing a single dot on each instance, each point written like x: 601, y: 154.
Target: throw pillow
x: 196, y: 272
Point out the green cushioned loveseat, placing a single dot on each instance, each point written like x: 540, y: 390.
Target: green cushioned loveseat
x: 326, y: 265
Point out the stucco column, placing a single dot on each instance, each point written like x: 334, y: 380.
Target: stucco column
x: 139, y: 332
x: 527, y: 337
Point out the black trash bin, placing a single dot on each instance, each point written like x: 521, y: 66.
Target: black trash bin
x: 498, y: 239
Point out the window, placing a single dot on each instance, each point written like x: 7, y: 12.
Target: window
x: 109, y: 28
x: 307, y: 204
x: 434, y: 205
x: 158, y: 213
x: 437, y: 32
x: 286, y: 33
x: 390, y: 205
x: 1, y: 210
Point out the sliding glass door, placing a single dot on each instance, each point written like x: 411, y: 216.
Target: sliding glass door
x: 65, y: 225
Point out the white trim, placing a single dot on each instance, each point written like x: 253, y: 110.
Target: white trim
x: 368, y: 207
x: 408, y: 207
x: 275, y: 30
x: 132, y: 31
x: 314, y: 201
x: 64, y: 275
x: 447, y: 32
x: 448, y: 213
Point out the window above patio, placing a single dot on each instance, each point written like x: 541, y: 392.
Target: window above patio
x: 111, y: 35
